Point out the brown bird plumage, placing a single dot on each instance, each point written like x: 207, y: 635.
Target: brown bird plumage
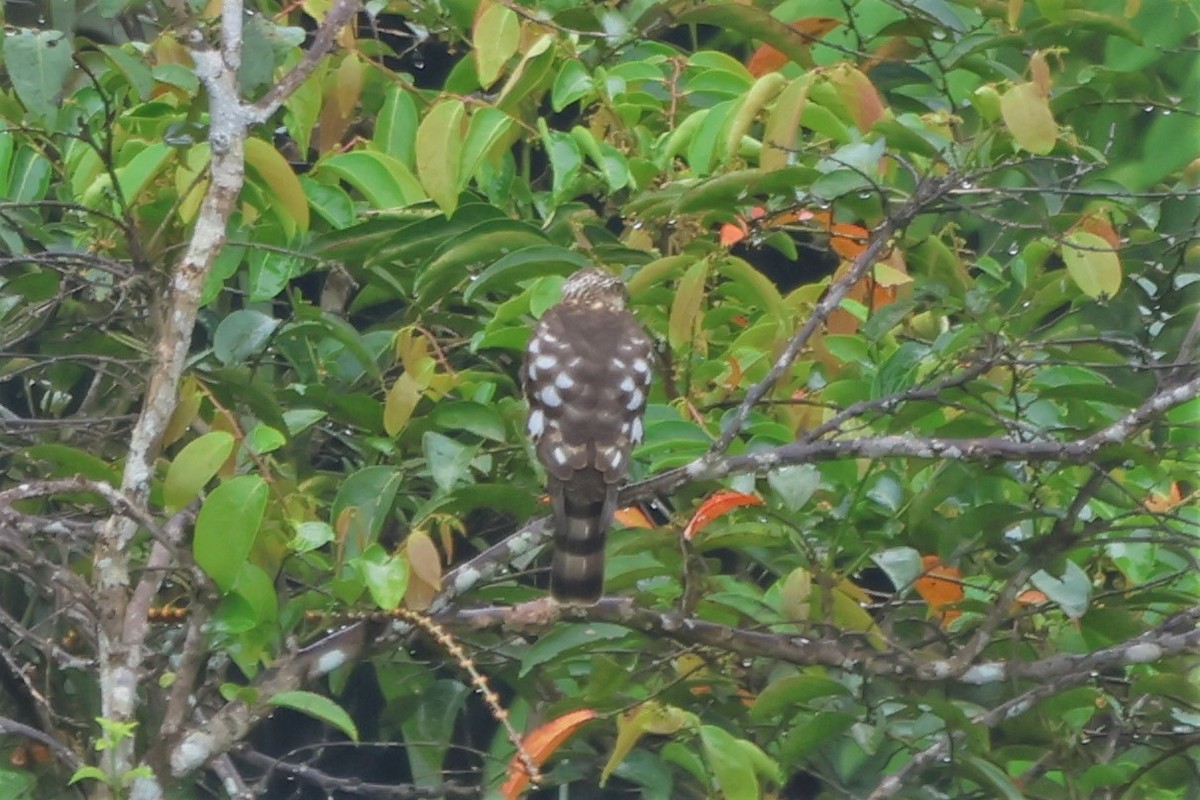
x: 586, y: 375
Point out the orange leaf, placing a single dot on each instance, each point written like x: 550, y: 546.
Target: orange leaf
x: 767, y: 59
x: 735, y: 374
x: 1097, y: 222
x: 940, y: 586
x: 1032, y: 597
x: 847, y: 240
x: 898, y: 48
x: 633, y: 517
x: 861, y: 98
x: 715, y: 506
x: 733, y: 232
x: 1158, y: 503
x: 540, y: 744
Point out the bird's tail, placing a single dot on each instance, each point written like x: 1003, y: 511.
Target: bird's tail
x: 580, y: 529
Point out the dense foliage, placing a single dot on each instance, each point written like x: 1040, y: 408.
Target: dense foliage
x: 917, y: 512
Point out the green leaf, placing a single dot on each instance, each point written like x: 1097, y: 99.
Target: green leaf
x: 703, y: 148
x: 311, y: 535
x: 382, y: 179
x: 902, y: 565
x: 243, y: 333
x: 88, y: 774
x: 488, y: 130
x: 396, y: 125
x: 432, y: 723
x: 479, y: 419
x: 449, y: 461
x: 478, y: 244
x: 806, y: 735
x: 135, y: 176
x: 726, y: 757
x: 265, y: 439
x: 38, y: 63
x: 795, y: 484
x: 257, y: 588
x: 386, y: 577
x: 572, y: 83
x: 495, y: 40
x: 794, y: 690
x: 607, y: 158
x: 523, y: 264
x: 991, y: 775
x: 318, y: 706
x: 196, y: 464
x: 1092, y: 263
x: 1071, y: 592
x: 135, y: 70
x: 566, y: 160
x: 226, y: 527
x: 899, y: 372
x: 366, y: 498
x: 18, y: 784
x: 565, y: 638
x: 438, y: 148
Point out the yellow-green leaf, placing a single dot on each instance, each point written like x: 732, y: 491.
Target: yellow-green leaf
x: 1027, y: 115
x: 196, y: 464
x: 1092, y: 263
x: 779, y: 138
x: 439, y: 144
x: 279, y: 179
x: 495, y: 39
x: 404, y: 395
x: 685, y: 308
x: 762, y: 92
x: 649, y: 717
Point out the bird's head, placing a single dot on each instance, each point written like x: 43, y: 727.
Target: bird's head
x: 592, y: 287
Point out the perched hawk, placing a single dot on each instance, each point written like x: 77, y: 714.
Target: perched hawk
x: 586, y: 375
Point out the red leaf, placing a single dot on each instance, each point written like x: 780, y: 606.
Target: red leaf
x: 715, y: 506
x: 540, y: 744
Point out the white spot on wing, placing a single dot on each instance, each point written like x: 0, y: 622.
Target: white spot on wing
x: 559, y: 454
x: 537, y: 422
x: 545, y: 362
x: 636, y: 435
x: 535, y: 346
x: 641, y: 365
x: 548, y: 337
x: 635, y: 400
x: 615, y: 459
x: 625, y: 428
x: 627, y: 384
x: 551, y: 398
x: 563, y: 380
x: 618, y: 363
